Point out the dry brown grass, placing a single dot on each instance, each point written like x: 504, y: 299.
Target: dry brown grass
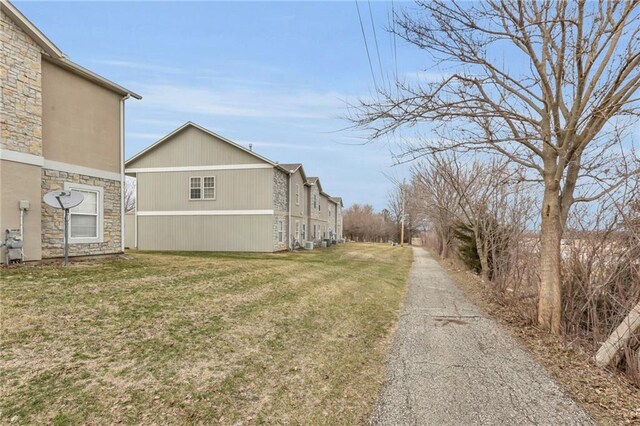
x: 606, y: 395
x: 157, y: 338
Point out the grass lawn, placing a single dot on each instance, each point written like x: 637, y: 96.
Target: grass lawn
x: 200, y: 338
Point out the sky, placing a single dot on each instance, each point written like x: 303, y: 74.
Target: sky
x: 277, y: 75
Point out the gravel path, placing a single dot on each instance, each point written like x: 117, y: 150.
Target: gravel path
x: 451, y: 365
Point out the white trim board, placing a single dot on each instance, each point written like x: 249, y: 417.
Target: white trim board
x: 40, y: 161
x: 205, y: 213
x: 80, y: 170
x: 197, y: 168
x: 21, y: 157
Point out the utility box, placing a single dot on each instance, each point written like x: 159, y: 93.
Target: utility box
x: 13, y: 246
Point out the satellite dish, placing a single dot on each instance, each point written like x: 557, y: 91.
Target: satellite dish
x: 63, y: 199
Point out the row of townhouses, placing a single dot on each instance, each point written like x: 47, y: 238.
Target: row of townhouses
x: 62, y: 128
x: 198, y: 191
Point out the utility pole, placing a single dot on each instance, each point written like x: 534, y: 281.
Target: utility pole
x: 402, y: 215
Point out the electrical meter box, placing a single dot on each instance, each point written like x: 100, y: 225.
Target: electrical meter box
x: 24, y: 205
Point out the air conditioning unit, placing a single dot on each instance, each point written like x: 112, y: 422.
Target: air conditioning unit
x: 308, y: 245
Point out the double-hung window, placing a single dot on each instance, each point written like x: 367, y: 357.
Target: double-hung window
x: 297, y: 194
x: 280, y: 231
x: 202, y: 188
x: 304, y: 232
x: 86, y: 219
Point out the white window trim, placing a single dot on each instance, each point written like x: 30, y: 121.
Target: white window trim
x: 215, y: 188
x: 297, y: 230
x: 297, y: 194
x: 68, y: 186
x: 304, y: 231
x: 280, y: 231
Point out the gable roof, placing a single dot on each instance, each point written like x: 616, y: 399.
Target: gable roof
x: 31, y: 30
x: 294, y: 167
x: 190, y: 124
x: 314, y: 180
x: 53, y: 54
x: 337, y: 200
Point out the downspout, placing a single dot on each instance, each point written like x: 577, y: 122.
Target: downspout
x: 122, y: 177
x: 135, y: 218
x: 289, y: 225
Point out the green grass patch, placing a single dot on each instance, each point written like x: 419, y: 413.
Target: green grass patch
x: 174, y: 338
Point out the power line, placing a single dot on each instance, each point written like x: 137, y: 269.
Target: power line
x: 393, y: 34
x: 366, y: 46
x: 375, y: 39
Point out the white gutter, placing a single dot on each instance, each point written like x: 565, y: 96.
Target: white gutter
x: 122, y: 177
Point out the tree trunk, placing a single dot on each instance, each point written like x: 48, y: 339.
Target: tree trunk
x: 621, y: 335
x: 483, y: 255
x: 550, y: 299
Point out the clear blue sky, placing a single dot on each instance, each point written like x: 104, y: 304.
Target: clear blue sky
x: 277, y: 75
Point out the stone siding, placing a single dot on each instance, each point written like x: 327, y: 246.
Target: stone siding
x: 21, y: 85
x: 277, y: 245
x: 281, y: 208
x: 53, y: 219
x: 314, y: 191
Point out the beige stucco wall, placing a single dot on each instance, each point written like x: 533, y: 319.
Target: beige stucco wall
x: 193, y: 147
x: 20, y: 85
x: 21, y: 182
x: 206, y: 233
x: 81, y: 120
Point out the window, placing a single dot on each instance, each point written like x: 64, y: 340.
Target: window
x: 280, y: 231
x: 315, y: 201
x: 85, y: 219
x: 297, y: 194
x: 209, y: 185
x: 315, y: 236
x: 297, y: 230
x: 304, y: 231
x: 202, y: 188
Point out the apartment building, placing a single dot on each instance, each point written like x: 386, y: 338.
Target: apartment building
x: 198, y: 191
x: 61, y: 128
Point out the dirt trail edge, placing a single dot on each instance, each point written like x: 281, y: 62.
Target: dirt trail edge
x: 451, y: 365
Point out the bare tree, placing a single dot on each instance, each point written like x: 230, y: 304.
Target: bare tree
x: 129, y: 194
x: 555, y: 102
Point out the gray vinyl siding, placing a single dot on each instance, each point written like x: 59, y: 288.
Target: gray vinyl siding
x: 193, y: 147
x: 130, y: 230
x: 249, y: 189
x: 206, y: 233
x: 300, y: 210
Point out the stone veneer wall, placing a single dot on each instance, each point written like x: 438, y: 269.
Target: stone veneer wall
x: 21, y: 85
x: 53, y: 219
x: 280, y: 208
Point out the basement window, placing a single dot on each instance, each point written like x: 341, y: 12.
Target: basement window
x: 86, y: 219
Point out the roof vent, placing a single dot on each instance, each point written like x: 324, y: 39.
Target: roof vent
x: 251, y: 147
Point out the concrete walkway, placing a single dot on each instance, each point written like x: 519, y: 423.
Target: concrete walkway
x: 450, y: 365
